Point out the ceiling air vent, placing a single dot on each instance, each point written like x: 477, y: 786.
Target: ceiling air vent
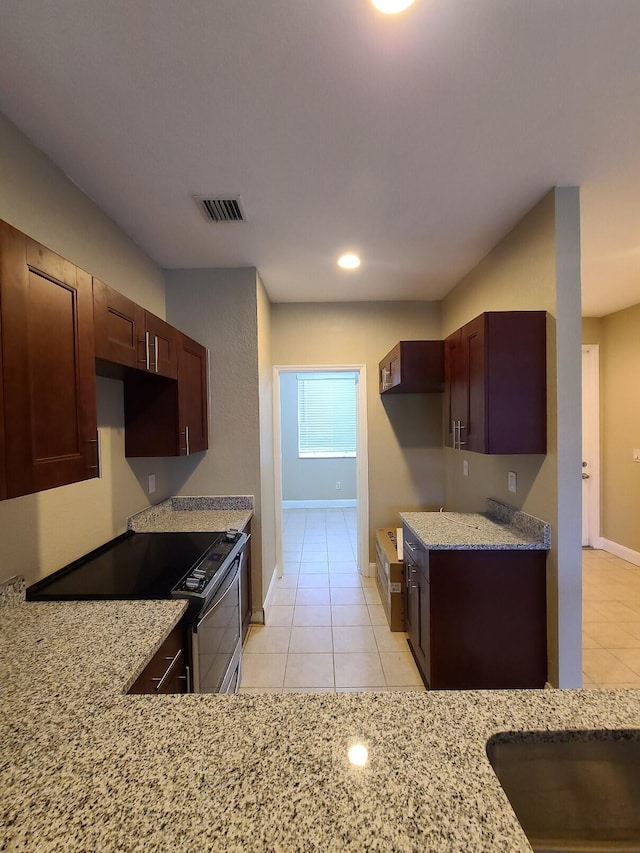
x: 221, y: 209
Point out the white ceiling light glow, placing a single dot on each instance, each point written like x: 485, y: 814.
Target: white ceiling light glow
x: 392, y: 7
x: 349, y: 262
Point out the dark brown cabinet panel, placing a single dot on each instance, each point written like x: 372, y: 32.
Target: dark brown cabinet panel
x: 119, y: 326
x: 245, y: 585
x: 192, y: 396
x: 158, y: 348
x: 495, y: 384
x: 477, y: 618
x: 412, y: 367
x: 488, y: 619
x: 418, y: 611
x: 166, y: 672
x: 47, y: 367
x: 127, y: 335
x: 168, y: 417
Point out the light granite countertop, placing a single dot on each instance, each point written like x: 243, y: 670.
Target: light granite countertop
x: 85, y: 768
x: 500, y: 528
x: 189, y: 514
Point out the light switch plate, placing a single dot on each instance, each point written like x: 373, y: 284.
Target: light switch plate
x: 636, y: 455
x: 512, y: 481
x: 465, y: 467
x: 152, y: 483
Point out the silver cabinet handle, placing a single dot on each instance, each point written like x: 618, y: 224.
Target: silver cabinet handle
x: 186, y: 441
x: 410, y: 546
x: 155, y: 349
x: 146, y: 347
x: 162, y: 680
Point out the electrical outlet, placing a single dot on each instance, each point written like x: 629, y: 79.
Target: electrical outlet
x: 152, y: 483
x: 636, y: 455
x: 512, y: 481
x: 465, y: 467
x: 338, y: 486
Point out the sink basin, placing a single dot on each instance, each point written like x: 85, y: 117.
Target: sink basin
x: 572, y: 790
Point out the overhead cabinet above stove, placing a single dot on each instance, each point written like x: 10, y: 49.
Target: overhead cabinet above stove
x: 48, y: 432
x: 58, y: 327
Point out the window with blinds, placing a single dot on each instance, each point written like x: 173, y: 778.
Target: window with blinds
x: 326, y: 415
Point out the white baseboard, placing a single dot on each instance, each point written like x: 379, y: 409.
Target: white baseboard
x: 619, y: 550
x: 372, y: 571
x: 269, y: 596
x: 319, y: 504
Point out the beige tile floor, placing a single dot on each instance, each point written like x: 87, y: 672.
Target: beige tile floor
x: 326, y: 630
x: 610, y: 621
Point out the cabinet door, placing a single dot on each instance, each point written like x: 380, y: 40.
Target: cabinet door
x: 424, y: 622
x: 456, y: 387
x: 245, y: 585
x: 119, y: 325
x: 158, y: 348
x: 192, y: 396
x: 48, y: 367
x: 166, y: 672
x: 473, y: 414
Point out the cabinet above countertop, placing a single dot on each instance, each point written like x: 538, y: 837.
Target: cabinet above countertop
x: 413, y: 367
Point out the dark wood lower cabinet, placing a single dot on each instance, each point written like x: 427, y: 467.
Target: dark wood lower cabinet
x: 478, y: 618
x: 245, y: 585
x: 166, y: 672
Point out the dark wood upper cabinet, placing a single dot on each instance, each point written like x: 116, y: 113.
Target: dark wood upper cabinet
x: 48, y: 369
x: 165, y: 417
x: 158, y: 347
x: 128, y: 335
x: 412, y: 367
x: 192, y: 396
x: 119, y: 326
x: 495, y: 384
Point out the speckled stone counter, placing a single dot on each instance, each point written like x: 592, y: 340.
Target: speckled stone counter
x: 500, y: 528
x: 189, y: 514
x: 85, y: 768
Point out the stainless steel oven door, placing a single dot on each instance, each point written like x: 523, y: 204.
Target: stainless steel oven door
x: 216, y: 639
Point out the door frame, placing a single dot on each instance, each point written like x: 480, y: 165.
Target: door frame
x: 362, y: 457
x: 591, y: 436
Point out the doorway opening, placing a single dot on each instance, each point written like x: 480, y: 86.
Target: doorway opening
x: 320, y: 460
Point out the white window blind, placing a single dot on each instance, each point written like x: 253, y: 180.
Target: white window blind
x: 326, y: 415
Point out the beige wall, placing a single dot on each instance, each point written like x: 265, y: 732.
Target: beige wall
x: 42, y: 532
x: 219, y: 308
x: 536, y: 267
x: 619, y: 338
x: 404, y: 430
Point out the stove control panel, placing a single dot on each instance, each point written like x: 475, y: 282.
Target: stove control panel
x: 199, y: 578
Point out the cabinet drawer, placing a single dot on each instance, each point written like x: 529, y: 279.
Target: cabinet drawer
x: 167, y: 670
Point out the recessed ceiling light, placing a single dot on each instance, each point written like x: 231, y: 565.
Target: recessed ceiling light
x: 392, y: 7
x: 349, y: 262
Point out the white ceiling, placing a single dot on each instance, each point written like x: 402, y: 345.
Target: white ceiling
x: 418, y: 140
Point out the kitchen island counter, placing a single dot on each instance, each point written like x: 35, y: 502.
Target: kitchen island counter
x: 84, y: 767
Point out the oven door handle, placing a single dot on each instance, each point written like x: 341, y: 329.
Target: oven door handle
x: 217, y: 600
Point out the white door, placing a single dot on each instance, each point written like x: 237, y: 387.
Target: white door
x: 590, y: 445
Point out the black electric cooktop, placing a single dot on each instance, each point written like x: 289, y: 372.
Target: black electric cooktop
x: 134, y: 565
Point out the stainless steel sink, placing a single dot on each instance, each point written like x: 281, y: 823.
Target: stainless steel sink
x: 572, y: 790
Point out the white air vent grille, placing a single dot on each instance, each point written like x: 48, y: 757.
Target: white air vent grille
x: 221, y: 209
